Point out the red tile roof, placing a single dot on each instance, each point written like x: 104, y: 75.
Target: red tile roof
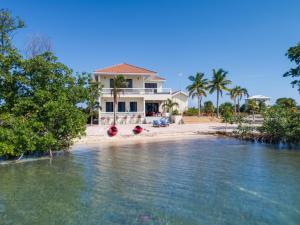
x: 157, y: 78
x: 125, y: 68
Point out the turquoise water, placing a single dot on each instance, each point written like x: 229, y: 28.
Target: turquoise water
x: 198, y: 181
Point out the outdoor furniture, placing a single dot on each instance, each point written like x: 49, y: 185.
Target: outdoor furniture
x: 156, y: 123
x: 164, y: 122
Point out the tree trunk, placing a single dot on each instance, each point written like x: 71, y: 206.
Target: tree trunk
x: 218, y: 93
x: 199, y: 106
x: 50, y: 153
x: 238, y: 106
x: 115, y: 106
x: 91, y: 119
x: 235, y: 106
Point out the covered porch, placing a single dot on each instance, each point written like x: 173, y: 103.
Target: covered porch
x: 153, y: 108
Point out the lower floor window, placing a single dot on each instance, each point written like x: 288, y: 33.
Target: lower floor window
x: 109, y: 107
x: 133, y: 106
x: 121, y: 106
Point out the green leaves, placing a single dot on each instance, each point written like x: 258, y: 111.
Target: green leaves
x: 169, y: 105
x: 293, y: 54
x: 38, y: 104
x: 281, y: 125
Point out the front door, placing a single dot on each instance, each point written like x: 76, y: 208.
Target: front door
x: 151, y: 108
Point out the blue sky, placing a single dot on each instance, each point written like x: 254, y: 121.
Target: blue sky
x: 175, y: 38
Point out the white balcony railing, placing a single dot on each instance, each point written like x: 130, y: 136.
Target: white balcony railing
x: 140, y: 91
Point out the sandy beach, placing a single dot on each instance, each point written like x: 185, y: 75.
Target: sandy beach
x: 98, y: 134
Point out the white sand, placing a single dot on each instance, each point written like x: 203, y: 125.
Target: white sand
x: 98, y: 134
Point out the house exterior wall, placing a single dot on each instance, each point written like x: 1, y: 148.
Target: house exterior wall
x: 137, y: 80
x: 182, y: 101
x: 138, y: 94
x: 139, y: 101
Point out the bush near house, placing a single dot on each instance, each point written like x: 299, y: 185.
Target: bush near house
x: 191, y: 112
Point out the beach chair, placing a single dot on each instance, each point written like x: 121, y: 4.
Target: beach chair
x: 156, y: 123
x: 164, y: 122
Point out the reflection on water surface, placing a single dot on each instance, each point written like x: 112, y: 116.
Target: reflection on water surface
x: 198, y: 181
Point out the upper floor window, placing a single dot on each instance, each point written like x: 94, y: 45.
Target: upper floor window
x: 111, y: 83
x: 150, y: 85
x: 129, y: 83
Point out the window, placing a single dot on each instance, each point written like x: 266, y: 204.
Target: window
x: 109, y: 106
x: 121, y: 106
x: 150, y: 85
x: 133, y: 106
x: 129, y: 83
x: 111, y: 83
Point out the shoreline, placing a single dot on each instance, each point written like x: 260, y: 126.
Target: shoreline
x: 97, y: 135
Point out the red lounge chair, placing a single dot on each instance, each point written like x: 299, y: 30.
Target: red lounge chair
x: 138, y: 129
x: 112, y: 131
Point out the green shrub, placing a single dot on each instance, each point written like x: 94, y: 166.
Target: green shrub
x: 191, y: 112
x: 175, y: 112
x: 209, y: 108
x: 281, y: 125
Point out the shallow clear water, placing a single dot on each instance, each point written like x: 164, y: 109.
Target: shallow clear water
x: 198, y: 181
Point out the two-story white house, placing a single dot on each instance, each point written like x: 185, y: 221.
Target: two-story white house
x: 141, y: 100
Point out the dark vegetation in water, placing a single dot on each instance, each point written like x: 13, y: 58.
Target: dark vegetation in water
x: 39, y: 99
x: 281, y: 125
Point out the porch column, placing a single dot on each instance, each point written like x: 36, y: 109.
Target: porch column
x: 99, y: 111
x: 144, y: 108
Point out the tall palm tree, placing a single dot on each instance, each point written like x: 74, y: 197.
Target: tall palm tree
x: 198, y: 88
x: 119, y: 83
x: 241, y: 92
x: 233, y: 96
x: 169, y: 105
x: 236, y: 94
x: 94, y: 92
x: 218, y: 84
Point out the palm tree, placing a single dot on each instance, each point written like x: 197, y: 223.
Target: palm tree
x: 241, y: 92
x: 94, y: 91
x: 218, y: 84
x: 236, y: 94
x: 198, y: 88
x: 119, y: 83
x: 233, y: 96
x: 253, y: 107
x: 169, y: 105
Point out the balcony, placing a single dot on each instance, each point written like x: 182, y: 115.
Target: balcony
x: 139, y: 91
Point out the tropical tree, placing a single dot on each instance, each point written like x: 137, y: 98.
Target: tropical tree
x: 198, y: 88
x: 226, y: 107
x: 236, y: 94
x: 119, y: 83
x: 286, y: 102
x: 219, y: 84
x: 293, y: 54
x: 252, y: 107
x: 227, y: 113
x: 39, y: 99
x: 8, y: 25
x: 209, y: 107
x: 94, y: 91
x: 169, y: 105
